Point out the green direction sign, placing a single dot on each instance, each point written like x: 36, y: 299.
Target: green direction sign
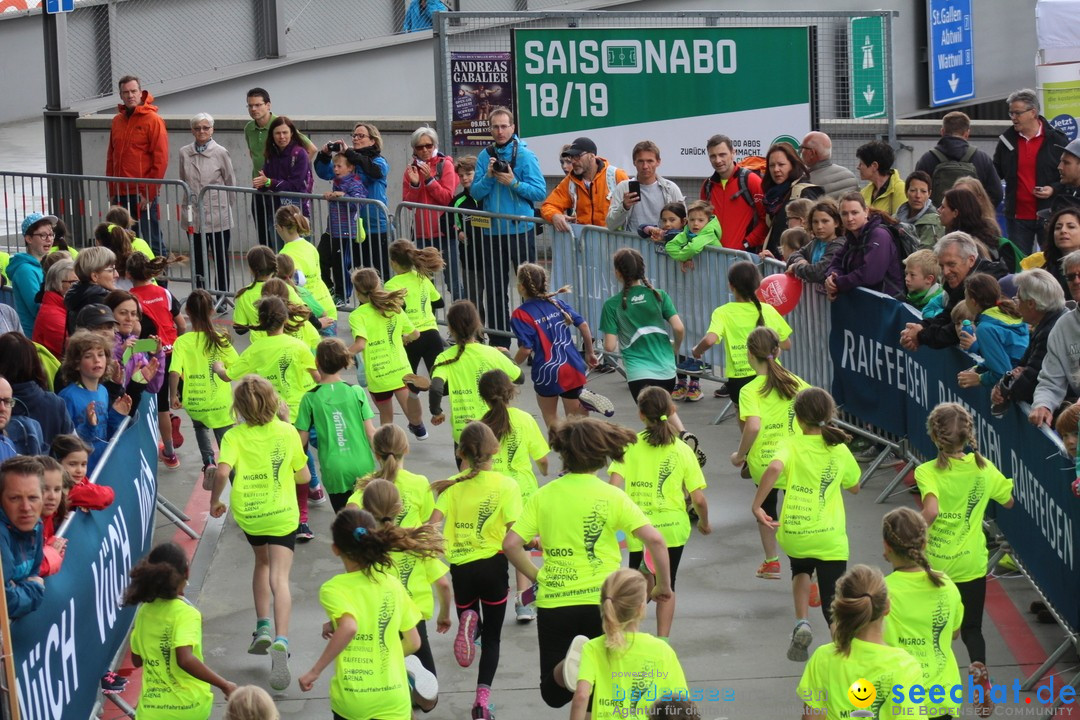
x: 866, y: 39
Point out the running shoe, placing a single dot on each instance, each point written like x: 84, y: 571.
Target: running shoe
x: 524, y: 613
x: 595, y: 402
x: 304, y: 534
x: 420, y: 431
x: 769, y: 570
x: 692, y: 440
x: 317, y: 496
x: 170, y: 461
x: 177, y: 438
x: 423, y: 682
x: 209, y: 477
x: 690, y: 366
x: 693, y: 392
x: 464, y: 643
x: 980, y: 676
x: 679, y: 393
x: 572, y: 662
x: 280, y: 677
x: 815, y: 595
x: 260, y: 641
x: 602, y: 369
x: 801, y: 637
x: 113, y: 684
x: 722, y: 392
x: 483, y: 712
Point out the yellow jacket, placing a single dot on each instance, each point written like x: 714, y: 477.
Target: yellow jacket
x: 890, y: 200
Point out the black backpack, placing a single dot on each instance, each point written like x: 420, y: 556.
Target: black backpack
x: 905, y: 238
x: 948, y: 171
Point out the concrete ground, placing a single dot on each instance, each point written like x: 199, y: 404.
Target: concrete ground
x: 731, y: 629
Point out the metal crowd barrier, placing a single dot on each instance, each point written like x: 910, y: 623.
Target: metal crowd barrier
x: 252, y: 224
x: 82, y: 202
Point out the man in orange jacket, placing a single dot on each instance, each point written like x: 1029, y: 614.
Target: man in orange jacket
x: 138, y: 148
x: 584, y: 195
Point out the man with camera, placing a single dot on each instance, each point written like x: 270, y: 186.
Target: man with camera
x: 639, y: 201
x: 509, y: 182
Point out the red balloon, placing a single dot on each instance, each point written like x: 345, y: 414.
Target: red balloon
x: 781, y: 291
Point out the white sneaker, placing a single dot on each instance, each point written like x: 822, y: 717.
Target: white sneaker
x: 595, y: 402
x: 424, y: 683
x: 572, y: 662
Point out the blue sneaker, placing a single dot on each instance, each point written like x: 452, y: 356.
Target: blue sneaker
x: 690, y: 366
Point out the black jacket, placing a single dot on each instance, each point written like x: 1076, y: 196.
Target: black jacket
x: 939, y: 331
x: 954, y: 148
x: 1046, y: 162
x: 1023, y: 387
x: 79, y: 296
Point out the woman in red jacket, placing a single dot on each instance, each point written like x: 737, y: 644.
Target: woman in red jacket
x: 50, y: 327
x: 430, y: 179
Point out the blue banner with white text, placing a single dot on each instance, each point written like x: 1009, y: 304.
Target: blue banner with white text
x: 64, y: 647
x: 882, y: 383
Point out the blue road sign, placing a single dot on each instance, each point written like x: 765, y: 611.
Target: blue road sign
x: 952, y: 55
x: 59, y: 6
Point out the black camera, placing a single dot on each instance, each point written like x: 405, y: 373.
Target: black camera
x: 335, y: 147
x: 501, y: 166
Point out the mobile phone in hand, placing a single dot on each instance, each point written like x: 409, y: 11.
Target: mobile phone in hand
x: 635, y: 187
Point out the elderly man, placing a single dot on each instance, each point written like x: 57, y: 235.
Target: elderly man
x: 816, y: 152
x: 958, y: 254
x: 21, y: 488
x: 1060, y: 373
x: 1042, y: 304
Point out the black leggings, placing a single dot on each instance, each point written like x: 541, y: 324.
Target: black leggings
x: 482, y: 585
x: 426, y: 347
x: 555, y: 629
x: 338, y: 501
x: 674, y: 556
x: 973, y: 596
x: 423, y: 653
x: 828, y: 572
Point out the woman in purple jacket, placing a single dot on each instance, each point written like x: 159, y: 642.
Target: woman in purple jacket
x: 870, y: 258
x: 287, y: 167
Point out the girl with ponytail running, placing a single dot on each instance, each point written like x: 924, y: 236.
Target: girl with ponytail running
x: 390, y: 445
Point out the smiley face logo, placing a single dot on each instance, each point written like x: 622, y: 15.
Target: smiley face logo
x: 862, y: 693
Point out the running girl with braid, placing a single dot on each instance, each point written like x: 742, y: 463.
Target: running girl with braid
x: 925, y: 611
x: 956, y: 487
x: 262, y: 263
x: 542, y: 326
x: 478, y: 507
x: 390, y: 445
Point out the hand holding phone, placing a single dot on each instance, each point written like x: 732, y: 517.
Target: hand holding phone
x: 146, y: 345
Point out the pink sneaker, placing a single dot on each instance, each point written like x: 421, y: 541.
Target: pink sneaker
x: 465, y: 642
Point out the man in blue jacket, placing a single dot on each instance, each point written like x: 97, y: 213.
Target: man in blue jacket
x: 21, y: 486
x: 25, y: 271
x: 508, y: 182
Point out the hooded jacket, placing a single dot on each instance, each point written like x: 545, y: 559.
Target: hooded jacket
x: 1060, y: 373
x: 373, y: 170
x: 939, y: 331
x: 21, y: 554
x: 890, y: 200
x: 685, y: 246
x: 79, y: 296
x: 869, y: 260
x: 590, y: 204
x: 1001, y: 341
x: 45, y: 407
x: 954, y: 148
x: 528, y: 188
x: 26, y: 277
x: 1023, y: 386
x: 138, y: 148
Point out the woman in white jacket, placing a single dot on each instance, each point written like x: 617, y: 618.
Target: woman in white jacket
x: 203, y: 163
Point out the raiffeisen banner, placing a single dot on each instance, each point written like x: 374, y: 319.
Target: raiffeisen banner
x: 674, y: 86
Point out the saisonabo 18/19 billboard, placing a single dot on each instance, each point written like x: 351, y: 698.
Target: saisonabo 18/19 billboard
x: 674, y: 86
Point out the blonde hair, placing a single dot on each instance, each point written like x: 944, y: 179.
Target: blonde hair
x: 962, y: 312
x: 478, y: 446
x: 861, y: 598
x: 389, y: 445
x: 289, y: 217
x: 799, y: 208
x: 255, y: 401
x: 250, y: 702
x: 93, y: 259
x: 951, y: 429
x: 383, y: 500
x: 702, y: 206
x: 367, y: 282
x: 622, y: 603
x: 925, y: 260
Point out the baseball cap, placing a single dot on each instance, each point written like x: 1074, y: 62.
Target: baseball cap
x: 580, y: 146
x: 1073, y: 148
x: 33, y: 219
x: 94, y: 316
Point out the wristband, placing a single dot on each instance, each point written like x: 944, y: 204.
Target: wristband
x: 268, y: 181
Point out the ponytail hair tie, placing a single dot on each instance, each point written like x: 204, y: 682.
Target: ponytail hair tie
x: 663, y: 418
x: 770, y: 356
x: 386, y: 519
x: 823, y: 424
x: 359, y: 532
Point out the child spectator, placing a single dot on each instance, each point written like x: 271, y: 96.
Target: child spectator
x: 55, y: 482
x: 798, y: 213
x: 921, y: 275
x: 339, y: 247
x: 810, y: 263
x: 73, y: 454
x: 793, y: 240
x: 1001, y: 337
x: 85, y: 363
x: 1068, y: 427
x: 60, y: 242
x: 672, y: 222
x: 702, y: 229
x: 469, y: 230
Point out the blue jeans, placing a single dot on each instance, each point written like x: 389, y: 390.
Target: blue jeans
x: 149, y: 228
x: 1024, y: 233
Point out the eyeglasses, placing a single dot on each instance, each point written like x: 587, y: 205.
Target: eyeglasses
x: 252, y: 106
x: 108, y: 269
x: 359, y: 136
x: 202, y: 128
x: 1072, y: 277
x: 1018, y: 113
x: 501, y: 127
x: 8, y: 402
x: 44, y: 236
x: 69, y: 282
x: 424, y: 146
